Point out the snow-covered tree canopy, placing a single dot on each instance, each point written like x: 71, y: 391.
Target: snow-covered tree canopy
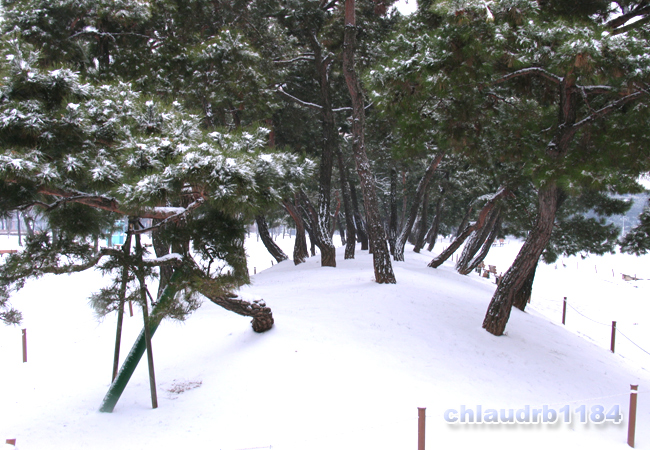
x: 73, y: 149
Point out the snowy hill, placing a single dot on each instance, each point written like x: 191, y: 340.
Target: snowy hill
x: 345, y: 367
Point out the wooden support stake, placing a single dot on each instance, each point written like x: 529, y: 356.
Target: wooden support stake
x: 631, y: 423
x: 421, y: 427
x: 564, y: 312
x: 24, y: 345
x: 130, y: 308
x: 613, y: 341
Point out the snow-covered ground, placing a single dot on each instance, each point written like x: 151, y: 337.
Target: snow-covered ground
x: 346, y: 365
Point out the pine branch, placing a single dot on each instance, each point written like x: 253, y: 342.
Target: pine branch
x: 288, y: 96
x: 607, y: 109
x: 530, y: 71
x: 641, y: 9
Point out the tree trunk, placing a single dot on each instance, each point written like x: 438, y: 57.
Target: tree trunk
x: 482, y: 217
x: 463, y: 223
x: 300, y: 253
x: 267, y: 240
x: 380, y: 255
x: 486, y: 247
x: 417, y: 200
x: 476, y: 241
x: 513, y: 281
x: 359, y: 223
x: 126, y: 248
x: 350, y: 243
x: 341, y: 231
x: 432, y: 234
x: 422, y: 232
x: 522, y: 297
x: 326, y: 247
x: 321, y: 226
x: 392, y: 224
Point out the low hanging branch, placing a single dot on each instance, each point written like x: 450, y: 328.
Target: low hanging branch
x: 483, y: 215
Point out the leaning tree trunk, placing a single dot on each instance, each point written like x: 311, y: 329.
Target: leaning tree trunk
x: 487, y: 245
x: 417, y: 200
x: 267, y: 240
x: 482, y: 217
x: 380, y: 254
x: 513, y: 281
x: 522, y: 296
x: 465, y: 221
x: 300, y: 253
x: 476, y: 241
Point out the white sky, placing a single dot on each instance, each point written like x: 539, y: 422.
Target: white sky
x: 406, y: 6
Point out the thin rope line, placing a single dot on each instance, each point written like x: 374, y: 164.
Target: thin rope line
x: 633, y: 342
x: 599, y: 323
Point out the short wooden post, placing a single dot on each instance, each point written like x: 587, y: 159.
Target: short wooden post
x: 254, y: 270
x: 11, y: 442
x: 421, y: 427
x: 564, y: 312
x: 24, y: 345
x: 130, y: 308
x: 631, y: 423
x: 613, y: 341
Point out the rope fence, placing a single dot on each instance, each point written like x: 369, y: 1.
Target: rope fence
x: 615, y: 330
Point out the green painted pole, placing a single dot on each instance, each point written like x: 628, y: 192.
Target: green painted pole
x: 139, y: 347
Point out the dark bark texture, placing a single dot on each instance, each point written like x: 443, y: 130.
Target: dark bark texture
x: 415, y: 206
x: 267, y: 240
x: 482, y: 240
x: 482, y: 219
x: 381, y: 256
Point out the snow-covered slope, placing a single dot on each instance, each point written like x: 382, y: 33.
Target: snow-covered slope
x: 345, y: 367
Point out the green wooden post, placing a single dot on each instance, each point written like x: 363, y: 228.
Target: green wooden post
x: 139, y: 347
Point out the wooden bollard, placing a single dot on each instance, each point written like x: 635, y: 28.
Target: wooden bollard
x: 631, y: 422
x: 613, y: 341
x: 421, y: 427
x: 564, y: 312
x: 24, y: 345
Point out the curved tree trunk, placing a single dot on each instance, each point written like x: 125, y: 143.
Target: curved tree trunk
x: 380, y: 254
x: 482, y: 217
x: 415, y: 206
x: 267, y: 240
x: 513, y: 281
x: 324, y: 243
x: 479, y: 240
x: 300, y: 253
